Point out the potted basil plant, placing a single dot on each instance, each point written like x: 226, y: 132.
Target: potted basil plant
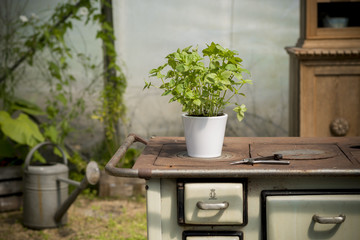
x: 204, y: 86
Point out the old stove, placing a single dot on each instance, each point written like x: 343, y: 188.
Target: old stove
x: 315, y: 196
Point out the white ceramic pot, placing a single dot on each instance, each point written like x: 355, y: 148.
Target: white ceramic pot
x: 204, y: 135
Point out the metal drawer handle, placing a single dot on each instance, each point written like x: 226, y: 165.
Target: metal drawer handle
x: 329, y: 220
x: 212, y: 206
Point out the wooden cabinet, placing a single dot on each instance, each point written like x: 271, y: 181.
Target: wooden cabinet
x: 325, y: 71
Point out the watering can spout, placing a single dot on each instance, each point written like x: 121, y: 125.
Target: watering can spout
x: 92, y: 176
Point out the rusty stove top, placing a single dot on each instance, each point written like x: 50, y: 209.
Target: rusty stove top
x: 166, y: 157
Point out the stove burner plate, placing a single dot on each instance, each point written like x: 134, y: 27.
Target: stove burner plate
x: 175, y: 155
x: 224, y: 155
x: 297, y: 152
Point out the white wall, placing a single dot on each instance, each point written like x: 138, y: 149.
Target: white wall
x: 147, y: 30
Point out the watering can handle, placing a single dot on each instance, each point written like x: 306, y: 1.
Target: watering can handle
x: 32, y: 151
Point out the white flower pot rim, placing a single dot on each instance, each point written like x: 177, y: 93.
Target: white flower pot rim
x: 190, y: 116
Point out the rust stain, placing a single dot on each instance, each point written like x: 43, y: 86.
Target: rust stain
x: 40, y: 199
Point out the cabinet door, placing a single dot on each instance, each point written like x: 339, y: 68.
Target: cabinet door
x: 334, y: 217
x: 329, y: 99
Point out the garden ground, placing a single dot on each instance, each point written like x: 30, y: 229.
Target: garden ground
x: 88, y: 218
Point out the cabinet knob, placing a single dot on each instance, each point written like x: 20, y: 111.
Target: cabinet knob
x: 339, y: 127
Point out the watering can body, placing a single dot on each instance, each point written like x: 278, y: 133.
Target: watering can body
x: 43, y: 194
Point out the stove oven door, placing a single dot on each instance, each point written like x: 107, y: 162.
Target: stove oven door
x: 310, y: 215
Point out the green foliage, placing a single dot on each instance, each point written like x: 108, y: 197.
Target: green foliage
x: 27, y: 38
x: 19, y: 132
x: 129, y: 159
x: 202, y: 90
x: 113, y: 106
x: 33, y: 36
x: 21, y: 129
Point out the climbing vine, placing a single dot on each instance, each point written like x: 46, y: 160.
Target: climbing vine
x: 113, y: 106
x: 49, y: 38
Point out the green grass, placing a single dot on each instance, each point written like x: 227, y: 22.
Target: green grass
x: 90, y: 218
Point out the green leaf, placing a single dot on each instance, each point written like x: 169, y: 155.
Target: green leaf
x: 237, y: 59
x: 51, y: 133
x: 238, y: 76
x: 180, y: 88
x: 172, y: 63
x: 159, y: 75
x: 21, y: 130
x: 38, y: 157
x: 211, y: 76
x: 197, y: 102
x: 211, y: 49
x: 189, y: 94
x: 248, y: 81
x: 172, y: 83
x: 225, y: 81
x: 240, y: 112
x: 186, y: 49
x: 147, y: 85
x: 172, y: 99
x: 54, y: 70
x: 153, y: 71
x: 220, y: 48
x: 244, y: 70
x: 164, y: 86
x: 180, y: 68
x: 27, y: 107
x: 61, y: 97
x: 231, y: 67
x: 226, y: 74
x: 52, y: 111
x: 59, y: 87
x: 166, y: 93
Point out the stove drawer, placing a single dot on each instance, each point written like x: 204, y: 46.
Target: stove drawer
x: 327, y: 216
x: 213, y: 203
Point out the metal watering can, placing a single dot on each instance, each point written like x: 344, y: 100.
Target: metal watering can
x: 46, y: 199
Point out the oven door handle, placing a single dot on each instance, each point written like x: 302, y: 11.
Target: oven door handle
x: 212, y: 206
x: 329, y: 220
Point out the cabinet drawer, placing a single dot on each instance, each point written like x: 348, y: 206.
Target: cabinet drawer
x: 214, y: 203
x: 326, y: 216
